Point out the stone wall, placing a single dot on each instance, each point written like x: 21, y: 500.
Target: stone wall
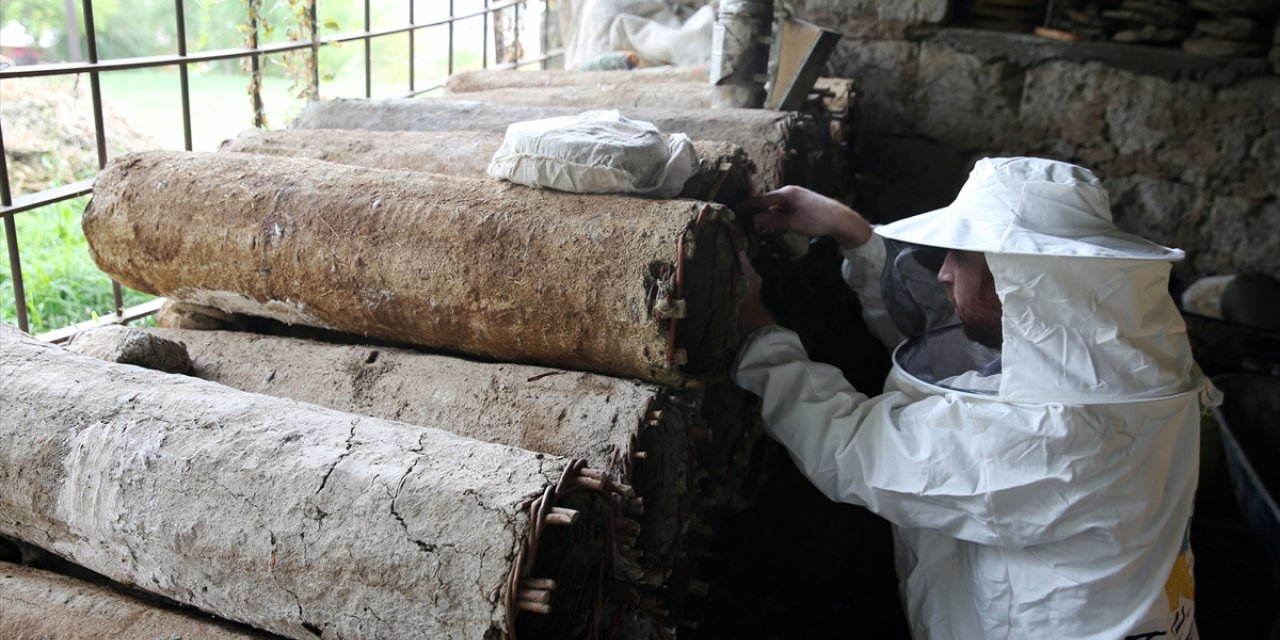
x: 1188, y: 146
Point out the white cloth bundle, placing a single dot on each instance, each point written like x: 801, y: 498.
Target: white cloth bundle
x: 595, y: 152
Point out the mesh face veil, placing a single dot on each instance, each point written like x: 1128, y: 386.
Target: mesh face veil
x: 937, y: 348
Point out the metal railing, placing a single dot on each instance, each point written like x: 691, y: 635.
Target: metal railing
x: 10, y: 206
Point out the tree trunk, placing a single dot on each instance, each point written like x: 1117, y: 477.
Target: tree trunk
x: 286, y: 516
x: 724, y: 171
x: 624, y: 286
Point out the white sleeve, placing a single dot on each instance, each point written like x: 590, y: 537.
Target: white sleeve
x: 861, y: 270
x: 969, y: 470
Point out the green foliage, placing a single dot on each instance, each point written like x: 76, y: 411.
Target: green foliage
x: 62, y: 284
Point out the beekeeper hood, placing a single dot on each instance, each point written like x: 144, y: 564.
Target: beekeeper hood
x: 1086, y: 312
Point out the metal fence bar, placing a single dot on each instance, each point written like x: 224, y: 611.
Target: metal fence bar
x: 132, y: 313
x: 47, y: 197
x: 15, y: 268
x: 313, y: 92
x: 99, y: 129
x: 11, y: 241
x: 368, y: 53
x: 411, y: 48
x: 142, y: 62
x: 10, y: 207
x: 182, y: 74
x: 255, y: 63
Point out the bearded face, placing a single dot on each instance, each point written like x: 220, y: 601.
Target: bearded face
x: 972, y: 292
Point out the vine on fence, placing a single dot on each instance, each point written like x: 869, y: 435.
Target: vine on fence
x: 300, y: 65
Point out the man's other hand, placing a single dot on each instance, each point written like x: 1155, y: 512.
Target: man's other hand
x: 800, y: 210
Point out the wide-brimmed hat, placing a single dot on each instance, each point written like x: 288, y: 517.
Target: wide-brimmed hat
x: 1029, y: 206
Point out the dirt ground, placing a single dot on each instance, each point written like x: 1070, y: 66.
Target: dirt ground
x: 49, y: 135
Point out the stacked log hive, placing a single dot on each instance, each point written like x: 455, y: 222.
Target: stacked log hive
x: 723, y: 175
x: 292, y: 518
x: 827, y: 118
x: 785, y: 147
x: 38, y: 605
x: 637, y: 432
x: 809, y: 148
x: 484, y: 80
x: 604, y: 326
x: 697, y: 242
x: 622, y: 286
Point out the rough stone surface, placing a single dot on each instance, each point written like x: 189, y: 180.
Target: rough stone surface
x: 959, y: 98
x: 299, y: 520
x: 886, y: 80
x: 480, y: 267
x: 837, y: 12
x: 1275, y: 50
x: 124, y: 345
x: 40, y: 605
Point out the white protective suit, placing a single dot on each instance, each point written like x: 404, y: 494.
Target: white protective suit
x: 1051, y: 499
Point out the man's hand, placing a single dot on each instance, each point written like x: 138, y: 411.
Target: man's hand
x: 752, y: 314
x: 798, y: 209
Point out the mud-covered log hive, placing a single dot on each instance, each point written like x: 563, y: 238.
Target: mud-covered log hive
x: 824, y: 152
x: 640, y: 434
x: 296, y: 519
x: 483, y: 80
x: 724, y: 170
x: 780, y: 145
x: 42, y: 605
x: 618, y: 285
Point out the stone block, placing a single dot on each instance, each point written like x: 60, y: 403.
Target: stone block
x: 1241, y: 235
x: 885, y: 72
x: 1064, y: 101
x: 840, y: 11
x: 1266, y: 152
x: 964, y: 101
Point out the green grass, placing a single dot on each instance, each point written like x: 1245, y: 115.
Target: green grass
x: 62, y: 284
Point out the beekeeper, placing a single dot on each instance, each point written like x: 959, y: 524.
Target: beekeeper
x: 1036, y: 443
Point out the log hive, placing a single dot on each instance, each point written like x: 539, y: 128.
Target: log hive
x: 318, y: 522
x: 724, y: 170
x: 781, y: 146
x: 484, y: 80
x: 666, y: 95
x: 609, y: 422
x: 830, y: 105
x: 41, y: 605
x: 624, y: 286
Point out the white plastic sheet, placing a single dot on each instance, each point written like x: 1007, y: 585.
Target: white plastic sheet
x: 660, y: 31
x: 595, y: 152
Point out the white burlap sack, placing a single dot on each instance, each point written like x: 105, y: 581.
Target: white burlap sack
x: 595, y: 152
